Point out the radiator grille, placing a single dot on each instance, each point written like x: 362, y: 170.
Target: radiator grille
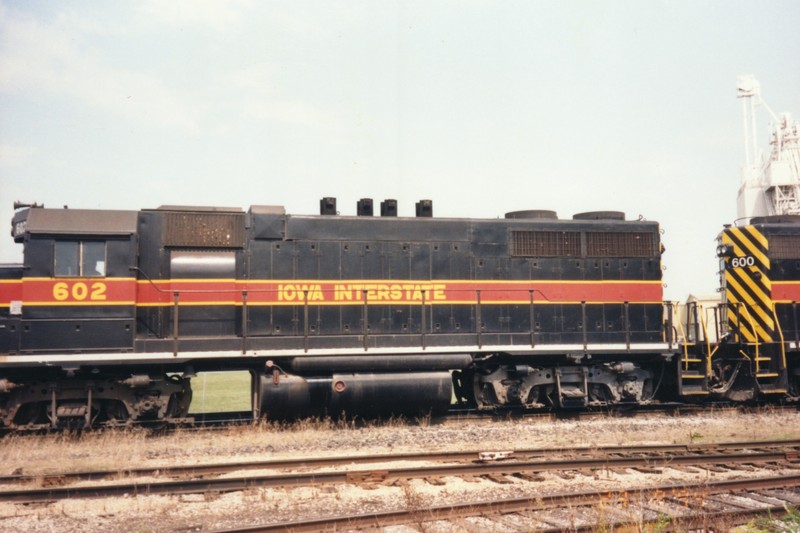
x: 784, y: 246
x: 629, y: 244
x: 545, y: 243
x: 206, y: 230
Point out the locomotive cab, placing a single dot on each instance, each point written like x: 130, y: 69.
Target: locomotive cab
x: 78, y: 291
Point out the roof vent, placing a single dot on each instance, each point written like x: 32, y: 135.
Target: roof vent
x: 425, y: 208
x: 327, y: 206
x: 364, y: 207
x: 599, y: 215
x: 389, y: 208
x: 534, y: 213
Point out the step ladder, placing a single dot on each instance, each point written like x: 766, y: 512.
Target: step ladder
x: 768, y: 361
x: 693, y: 374
x: 769, y: 369
x: 572, y: 387
x: 693, y: 368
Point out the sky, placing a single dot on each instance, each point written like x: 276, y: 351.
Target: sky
x: 483, y: 107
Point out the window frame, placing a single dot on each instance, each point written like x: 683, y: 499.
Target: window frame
x: 78, y: 261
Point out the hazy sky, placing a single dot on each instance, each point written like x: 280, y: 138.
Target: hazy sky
x: 482, y: 106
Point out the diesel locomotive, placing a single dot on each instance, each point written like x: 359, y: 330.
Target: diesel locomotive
x: 112, y: 313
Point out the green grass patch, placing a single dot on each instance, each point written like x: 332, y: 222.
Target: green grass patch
x: 218, y: 392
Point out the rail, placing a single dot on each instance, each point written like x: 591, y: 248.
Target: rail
x: 779, y: 493
x: 193, y: 479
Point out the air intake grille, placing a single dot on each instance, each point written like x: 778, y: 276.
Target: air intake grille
x: 545, y: 243
x: 784, y: 246
x: 631, y: 244
x: 205, y: 230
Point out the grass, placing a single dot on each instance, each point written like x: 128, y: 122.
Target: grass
x: 219, y: 392
x: 769, y: 524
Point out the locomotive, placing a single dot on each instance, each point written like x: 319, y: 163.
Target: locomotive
x: 760, y: 283
x: 112, y: 313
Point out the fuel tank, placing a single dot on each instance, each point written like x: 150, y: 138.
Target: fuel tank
x: 385, y: 394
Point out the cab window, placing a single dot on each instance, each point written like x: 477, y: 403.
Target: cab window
x: 80, y: 259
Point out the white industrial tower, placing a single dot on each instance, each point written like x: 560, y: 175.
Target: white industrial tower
x: 770, y: 184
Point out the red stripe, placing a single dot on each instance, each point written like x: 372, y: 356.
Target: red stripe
x: 785, y: 291
x: 109, y: 291
x: 80, y: 291
x: 10, y: 291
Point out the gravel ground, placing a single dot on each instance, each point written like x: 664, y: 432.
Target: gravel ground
x: 140, y: 513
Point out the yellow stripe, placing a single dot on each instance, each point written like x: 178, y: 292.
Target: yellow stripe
x: 759, y: 306
x: 356, y: 303
x: 396, y: 281
x: 761, y: 297
x: 94, y: 303
x: 755, y: 293
x: 748, y: 323
x: 745, y: 332
x: 748, y: 241
x: 76, y: 278
x: 758, y: 236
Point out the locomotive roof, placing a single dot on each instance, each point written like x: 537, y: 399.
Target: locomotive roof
x: 448, y: 229
x: 197, y: 209
x: 80, y: 221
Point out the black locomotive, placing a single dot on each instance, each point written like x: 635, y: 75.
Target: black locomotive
x: 112, y: 313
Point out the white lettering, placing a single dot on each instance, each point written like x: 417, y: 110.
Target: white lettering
x: 741, y: 262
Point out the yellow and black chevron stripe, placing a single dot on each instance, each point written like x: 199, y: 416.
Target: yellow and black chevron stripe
x: 748, y: 290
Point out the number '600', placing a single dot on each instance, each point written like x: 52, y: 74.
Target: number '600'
x: 738, y: 262
x: 79, y: 291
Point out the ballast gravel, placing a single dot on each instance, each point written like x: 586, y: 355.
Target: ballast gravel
x: 139, y: 513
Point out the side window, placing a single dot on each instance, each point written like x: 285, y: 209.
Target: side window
x: 80, y: 259
x: 67, y: 258
x: 93, y: 259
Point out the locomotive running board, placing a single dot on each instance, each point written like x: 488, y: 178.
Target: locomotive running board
x: 572, y: 350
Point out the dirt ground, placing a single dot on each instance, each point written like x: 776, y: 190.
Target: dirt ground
x: 32, y: 454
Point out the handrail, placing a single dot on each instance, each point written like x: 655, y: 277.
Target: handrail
x: 533, y: 321
x: 666, y: 329
x: 304, y: 298
x: 175, y: 322
x: 423, y: 320
x: 365, y: 319
x: 478, y: 318
x: 757, y: 343
x: 683, y: 334
x: 704, y: 324
x: 305, y: 321
x: 780, y: 332
x: 244, y: 322
x: 584, y: 326
x: 627, y: 326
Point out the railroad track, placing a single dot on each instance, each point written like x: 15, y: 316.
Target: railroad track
x: 682, y: 506
x: 499, y: 467
x: 779, y: 446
